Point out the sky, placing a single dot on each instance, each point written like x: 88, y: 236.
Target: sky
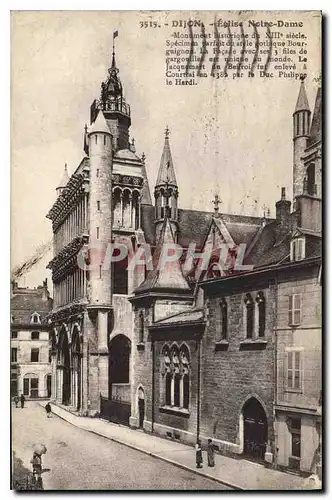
x: 231, y: 137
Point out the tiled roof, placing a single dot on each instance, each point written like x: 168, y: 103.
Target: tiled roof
x: 26, y: 301
x: 126, y: 154
x: 187, y: 316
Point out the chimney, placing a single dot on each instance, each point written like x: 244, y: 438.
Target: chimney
x: 283, y: 215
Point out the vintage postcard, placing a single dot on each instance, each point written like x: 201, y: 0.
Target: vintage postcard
x: 166, y: 240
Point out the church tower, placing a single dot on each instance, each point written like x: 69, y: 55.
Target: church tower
x: 116, y: 110
x: 166, y: 191
x: 301, y: 127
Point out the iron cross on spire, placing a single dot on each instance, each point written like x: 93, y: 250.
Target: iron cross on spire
x: 216, y: 203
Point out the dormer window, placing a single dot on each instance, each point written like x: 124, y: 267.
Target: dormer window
x: 35, y: 318
x: 297, y: 251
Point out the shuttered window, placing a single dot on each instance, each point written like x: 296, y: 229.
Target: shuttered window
x: 294, y: 369
x: 294, y: 310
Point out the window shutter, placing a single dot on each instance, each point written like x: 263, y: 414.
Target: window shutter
x: 290, y: 369
x: 292, y: 251
x: 300, y: 250
x: 297, y: 309
x: 290, y: 309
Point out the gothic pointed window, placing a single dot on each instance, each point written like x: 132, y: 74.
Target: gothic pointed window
x: 141, y: 326
x: 223, y: 319
x: 249, y: 316
x: 186, y: 391
x: 261, y: 314
x: 177, y: 379
x: 168, y: 389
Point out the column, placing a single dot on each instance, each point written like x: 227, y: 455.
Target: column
x: 172, y: 390
x: 121, y: 208
x: 131, y: 208
x: 256, y: 319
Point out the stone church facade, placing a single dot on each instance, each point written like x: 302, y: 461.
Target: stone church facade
x: 183, y: 351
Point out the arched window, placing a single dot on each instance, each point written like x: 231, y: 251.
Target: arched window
x: 224, y: 319
x: 35, y: 318
x: 168, y: 389
x: 186, y: 391
x: 177, y: 379
x: 141, y: 326
x: 249, y: 316
x: 261, y: 314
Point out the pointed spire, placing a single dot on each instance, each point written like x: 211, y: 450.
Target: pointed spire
x: 316, y: 122
x: 302, y: 100
x: 167, y: 275
x: 86, y: 142
x: 64, y: 178
x: 166, y: 169
x: 146, y: 196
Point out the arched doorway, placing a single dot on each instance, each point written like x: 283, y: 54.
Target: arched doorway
x: 76, y: 369
x: 64, y: 365
x: 119, y: 361
x: 141, y: 407
x: 255, y: 429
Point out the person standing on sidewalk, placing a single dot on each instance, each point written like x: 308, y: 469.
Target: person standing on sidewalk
x: 48, y: 410
x: 210, y: 453
x: 199, y: 456
x: 22, y: 400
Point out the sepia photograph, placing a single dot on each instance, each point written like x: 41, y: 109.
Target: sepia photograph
x: 166, y: 250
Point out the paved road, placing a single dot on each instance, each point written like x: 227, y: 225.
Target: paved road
x: 78, y: 459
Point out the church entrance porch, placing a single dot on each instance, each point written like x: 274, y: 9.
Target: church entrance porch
x: 255, y: 429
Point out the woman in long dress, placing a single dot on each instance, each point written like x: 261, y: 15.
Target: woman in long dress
x: 210, y: 453
x: 199, y: 457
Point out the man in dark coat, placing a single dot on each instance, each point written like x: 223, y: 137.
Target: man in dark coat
x: 22, y: 400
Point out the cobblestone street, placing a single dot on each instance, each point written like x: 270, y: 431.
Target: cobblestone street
x: 77, y: 459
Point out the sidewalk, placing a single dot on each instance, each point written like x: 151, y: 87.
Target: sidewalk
x: 238, y: 474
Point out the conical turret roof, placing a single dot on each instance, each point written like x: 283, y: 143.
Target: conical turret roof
x: 302, y: 100
x: 99, y: 125
x: 64, y: 179
x: 146, y: 195
x: 316, y: 122
x: 166, y: 172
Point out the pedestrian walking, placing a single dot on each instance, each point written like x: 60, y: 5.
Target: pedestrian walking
x: 199, y: 456
x: 36, y: 462
x: 210, y: 453
x: 16, y: 401
x: 22, y: 400
x: 48, y: 410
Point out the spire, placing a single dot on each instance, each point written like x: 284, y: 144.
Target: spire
x: 166, y: 169
x: 115, y: 34
x: 302, y: 100
x: 316, y: 122
x: 64, y: 178
x: 169, y: 276
x: 146, y: 196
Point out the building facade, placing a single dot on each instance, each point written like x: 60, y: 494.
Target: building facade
x: 30, y: 346
x: 184, y: 350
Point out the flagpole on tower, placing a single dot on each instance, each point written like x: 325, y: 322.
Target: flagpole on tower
x: 115, y: 34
